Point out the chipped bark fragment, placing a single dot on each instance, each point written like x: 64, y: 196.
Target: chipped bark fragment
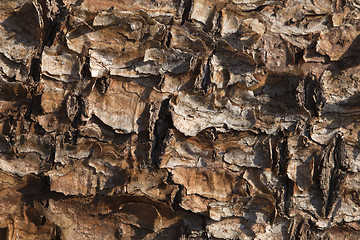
x: 128, y: 105
x: 59, y: 57
x: 186, y: 106
x: 338, y: 40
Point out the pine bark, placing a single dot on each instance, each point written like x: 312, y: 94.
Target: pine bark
x: 179, y: 119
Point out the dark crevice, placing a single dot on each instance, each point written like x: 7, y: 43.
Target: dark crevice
x: 284, y: 156
x: 257, y: 9
x: 168, y: 40
x: 206, y: 79
x: 336, y: 182
x: 143, y: 147
x: 310, y: 95
x: 118, y: 233
x: 35, y: 105
x: 35, y: 69
x: 78, y: 3
x: 338, y: 153
x: 205, y: 234
x: 331, y: 174
x: 282, y: 170
x: 45, y: 182
x: 186, y: 229
x: 299, y: 54
x: 281, y: 156
x: 289, y: 192
x: 175, y: 205
x: 299, y: 229
x: 314, y: 100
x: 102, y: 85
x: 187, y: 8
x: 4, y: 233
x: 280, y: 161
x: 50, y: 161
x: 55, y: 24
x: 337, y: 177
x: 51, y: 33
x: 57, y: 233
x: 161, y: 130
x: 77, y: 121
x: 218, y: 24
x: 167, y: 37
x: 85, y: 70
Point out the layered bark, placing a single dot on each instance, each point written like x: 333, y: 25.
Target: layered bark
x: 185, y: 119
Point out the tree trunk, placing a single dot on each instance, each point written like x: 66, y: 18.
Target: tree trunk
x: 182, y: 119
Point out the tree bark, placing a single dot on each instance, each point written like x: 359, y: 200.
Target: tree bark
x: 182, y: 119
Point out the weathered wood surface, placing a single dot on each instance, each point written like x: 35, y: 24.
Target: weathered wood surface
x: 179, y: 119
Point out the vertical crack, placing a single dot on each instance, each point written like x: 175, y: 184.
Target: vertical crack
x: 35, y: 68
x: 57, y: 233
x: 332, y: 173
x: 313, y: 97
x: 280, y: 159
x: 168, y: 40
x: 55, y: 24
x: 206, y: 79
x: 218, y: 26
x: 85, y: 69
x: 161, y: 129
x: 187, y: 8
x: 207, y: 73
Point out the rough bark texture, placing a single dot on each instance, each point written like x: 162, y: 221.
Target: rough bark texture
x: 179, y: 119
